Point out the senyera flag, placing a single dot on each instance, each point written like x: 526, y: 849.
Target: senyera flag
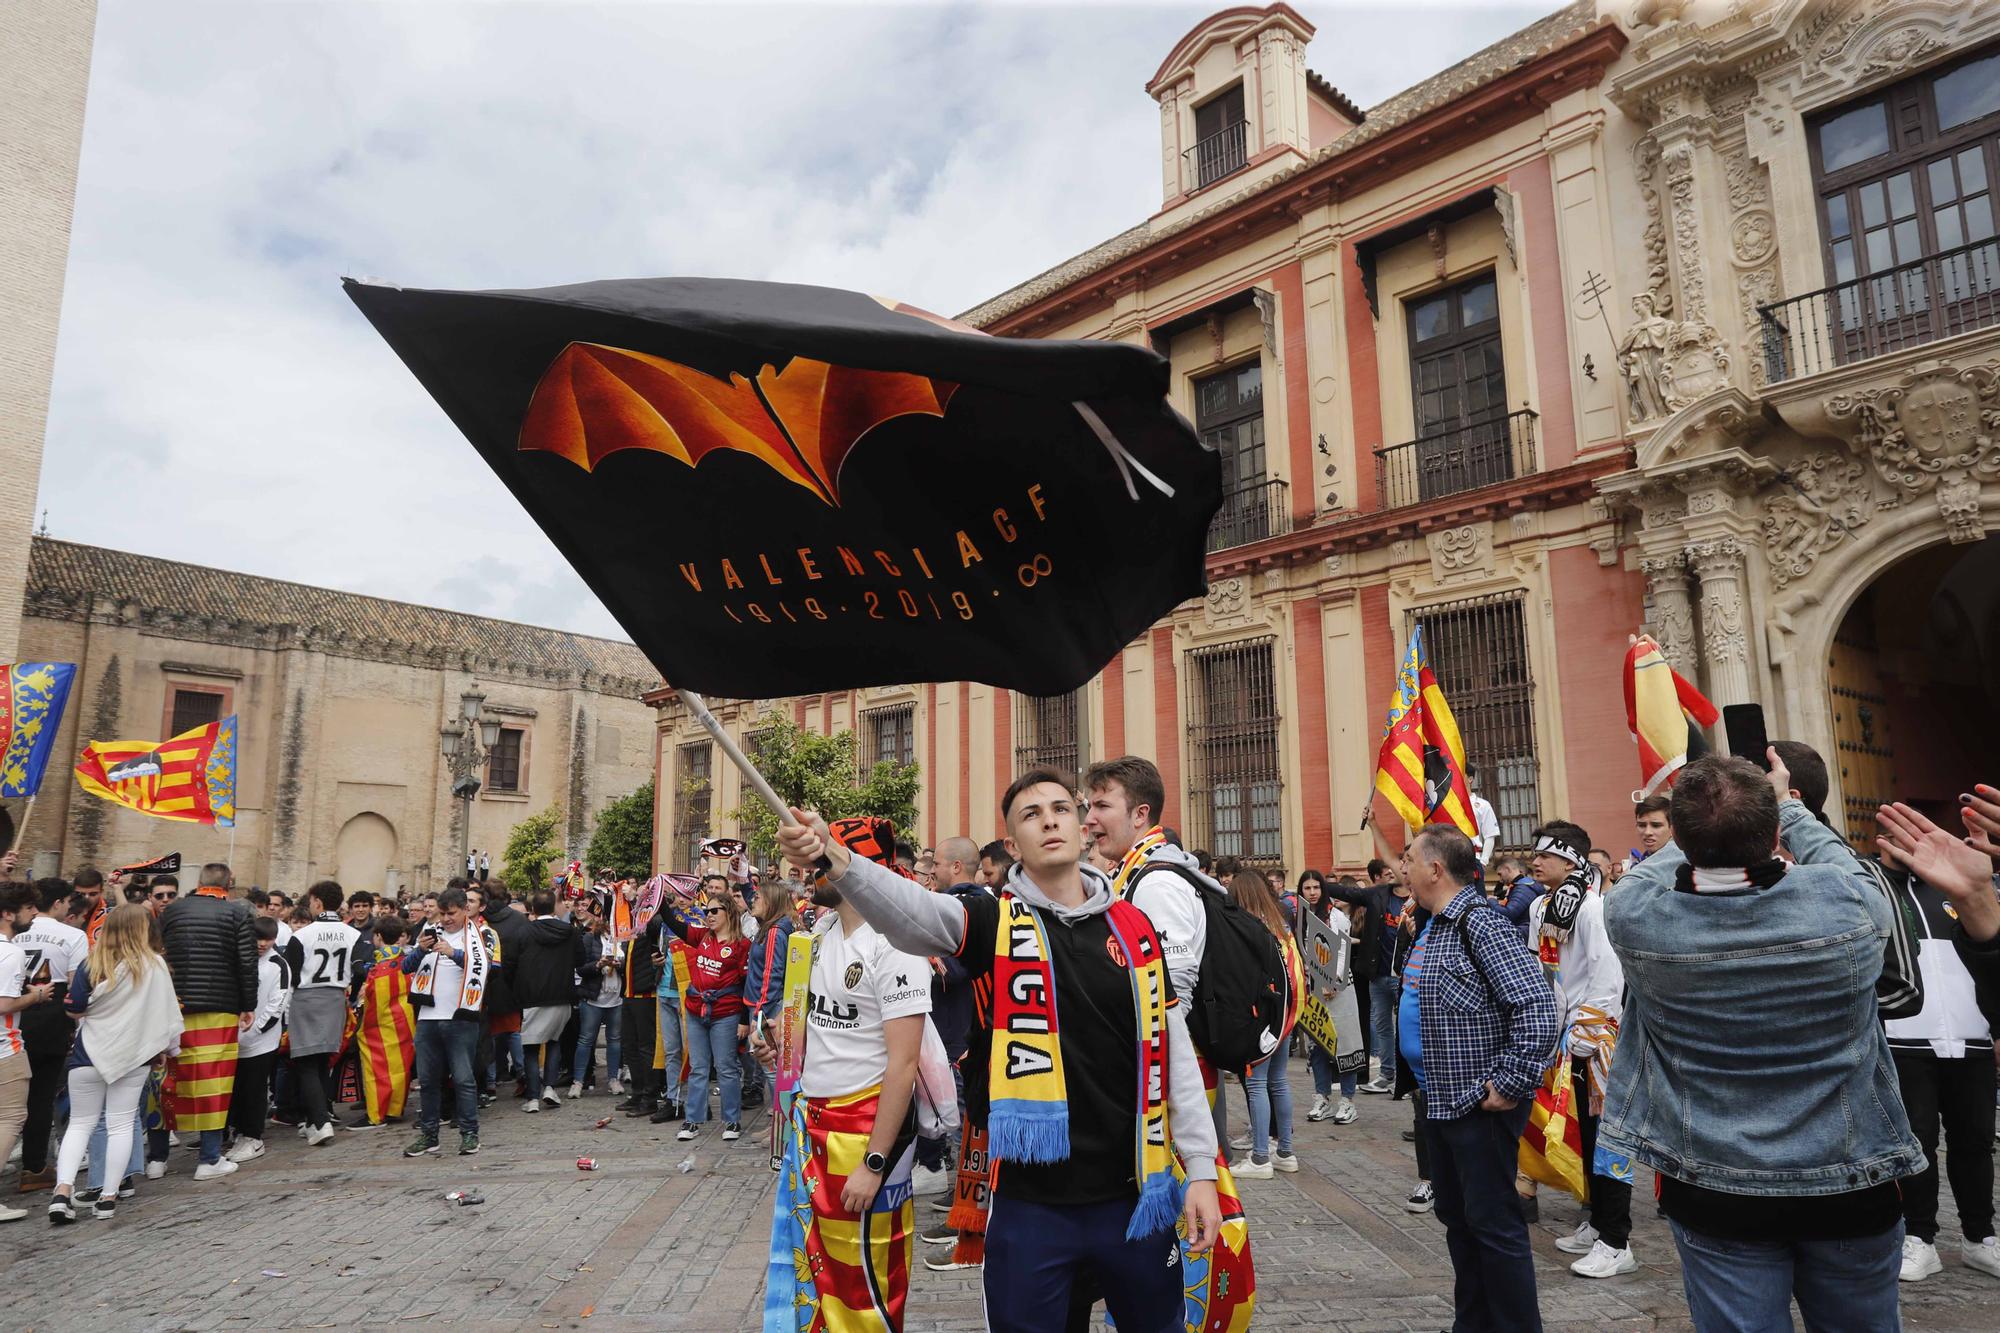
x: 1421, y: 767
x: 32, y: 697
x: 782, y: 489
x: 1666, y: 715
x: 191, y: 777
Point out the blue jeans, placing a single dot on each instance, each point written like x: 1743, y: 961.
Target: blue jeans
x: 712, y: 1054
x: 100, y: 1142
x: 1384, y: 995
x: 1472, y: 1162
x: 1269, y: 1090
x: 1322, y: 1070
x: 1748, y: 1286
x: 590, y: 1018
x: 508, y: 1044
x: 444, y: 1048
x: 670, y: 1042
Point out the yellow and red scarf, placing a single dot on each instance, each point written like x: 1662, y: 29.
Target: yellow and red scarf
x: 1135, y: 860
x: 1029, y: 1120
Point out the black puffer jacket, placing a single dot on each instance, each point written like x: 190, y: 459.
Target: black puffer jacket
x: 546, y: 963
x: 212, y: 953
x: 503, y: 994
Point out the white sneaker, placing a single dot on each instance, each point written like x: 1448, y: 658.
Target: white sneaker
x: 214, y: 1170
x: 575, y: 1091
x: 1322, y: 1108
x: 1346, y: 1114
x: 11, y: 1214
x: 1241, y: 1143
x: 1422, y: 1199
x: 617, y: 1088
x: 1284, y: 1161
x: 1378, y: 1085
x: 1581, y: 1242
x: 532, y: 1105
x: 320, y: 1134
x: 1249, y: 1169
x: 552, y: 1099
x: 1920, y: 1260
x: 1985, y: 1256
x: 246, y: 1150
x: 1603, y: 1261
x: 154, y: 1170
x: 926, y: 1180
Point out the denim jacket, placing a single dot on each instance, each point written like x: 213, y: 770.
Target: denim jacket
x: 1752, y: 1059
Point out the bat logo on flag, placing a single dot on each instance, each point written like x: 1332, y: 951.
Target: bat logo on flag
x: 801, y: 421
x: 142, y: 766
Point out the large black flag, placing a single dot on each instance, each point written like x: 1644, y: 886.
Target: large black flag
x: 780, y: 490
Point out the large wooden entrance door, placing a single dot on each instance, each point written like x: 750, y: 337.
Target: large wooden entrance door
x: 1866, y: 756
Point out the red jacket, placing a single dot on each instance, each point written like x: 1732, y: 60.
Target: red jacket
x: 716, y: 969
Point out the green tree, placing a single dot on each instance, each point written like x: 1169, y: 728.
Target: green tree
x: 808, y: 769
x: 623, y: 838
x: 532, y: 846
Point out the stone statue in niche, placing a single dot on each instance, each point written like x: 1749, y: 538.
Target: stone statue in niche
x: 1642, y: 359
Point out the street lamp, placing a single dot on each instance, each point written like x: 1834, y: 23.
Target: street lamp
x: 465, y: 741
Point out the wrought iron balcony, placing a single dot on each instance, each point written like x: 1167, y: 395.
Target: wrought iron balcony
x: 1221, y: 153
x: 1936, y: 297
x: 1452, y: 461
x: 1251, y: 514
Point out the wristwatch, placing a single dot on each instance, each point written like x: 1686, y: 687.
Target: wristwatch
x: 875, y: 1162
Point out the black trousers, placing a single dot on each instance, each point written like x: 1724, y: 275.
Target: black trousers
x: 642, y: 1020
x: 1610, y: 1199
x: 310, y: 1076
x: 1473, y: 1159
x: 251, y: 1100
x: 1959, y: 1095
x: 46, y: 1032
x: 1423, y: 1137
x: 1363, y: 1007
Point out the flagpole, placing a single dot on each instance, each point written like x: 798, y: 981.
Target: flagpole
x: 758, y: 782
x: 21, y: 829
x: 231, y: 857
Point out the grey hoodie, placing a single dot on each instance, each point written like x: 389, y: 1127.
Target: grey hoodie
x: 920, y: 922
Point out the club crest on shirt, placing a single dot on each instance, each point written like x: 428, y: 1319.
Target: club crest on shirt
x: 1111, y: 947
x: 852, y: 978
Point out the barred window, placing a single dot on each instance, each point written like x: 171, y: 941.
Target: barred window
x: 888, y: 736
x: 1048, y: 732
x: 1479, y: 653
x: 1234, y: 781
x: 694, y: 797
x: 193, y: 707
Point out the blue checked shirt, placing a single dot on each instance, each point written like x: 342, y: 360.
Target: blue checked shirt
x: 1486, y: 1009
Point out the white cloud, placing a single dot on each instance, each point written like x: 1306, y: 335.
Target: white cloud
x: 217, y: 399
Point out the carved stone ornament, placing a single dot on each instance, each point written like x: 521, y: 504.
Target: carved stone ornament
x: 1685, y: 223
x: 1227, y: 598
x: 1933, y: 432
x: 1902, y: 51
x: 1827, y: 498
x: 1697, y: 364
x: 1504, y: 205
x: 1642, y: 359
x: 1456, y: 552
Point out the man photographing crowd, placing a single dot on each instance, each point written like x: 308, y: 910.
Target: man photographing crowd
x: 1086, y: 1188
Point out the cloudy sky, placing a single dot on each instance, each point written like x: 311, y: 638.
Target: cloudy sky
x: 217, y: 399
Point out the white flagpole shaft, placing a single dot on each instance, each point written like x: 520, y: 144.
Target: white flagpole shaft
x: 758, y: 782
x: 21, y: 829
x: 231, y: 858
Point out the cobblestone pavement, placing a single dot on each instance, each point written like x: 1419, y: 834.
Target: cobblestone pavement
x: 672, y: 1236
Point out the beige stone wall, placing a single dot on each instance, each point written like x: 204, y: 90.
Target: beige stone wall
x: 340, y: 768
x: 44, y: 70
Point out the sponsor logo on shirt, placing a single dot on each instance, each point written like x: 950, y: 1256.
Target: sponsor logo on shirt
x: 832, y: 1013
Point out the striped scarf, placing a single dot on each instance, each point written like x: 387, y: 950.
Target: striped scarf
x: 1029, y: 1119
x: 478, y: 959
x: 1149, y: 842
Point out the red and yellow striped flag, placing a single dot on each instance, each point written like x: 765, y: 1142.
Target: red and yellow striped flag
x: 1666, y: 715
x: 1421, y: 768
x: 386, y: 1041
x: 191, y: 777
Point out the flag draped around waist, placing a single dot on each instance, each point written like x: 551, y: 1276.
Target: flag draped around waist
x: 204, y: 1071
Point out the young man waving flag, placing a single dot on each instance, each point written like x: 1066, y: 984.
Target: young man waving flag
x: 1094, y: 1083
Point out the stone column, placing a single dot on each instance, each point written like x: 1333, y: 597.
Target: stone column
x: 1725, y: 642
x: 1672, y: 619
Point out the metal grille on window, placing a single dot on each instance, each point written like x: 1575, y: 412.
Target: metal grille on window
x: 194, y: 708
x: 503, y: 766
x: 694, y: 794
x: 1234, y: 780
x: 888, y: 736
x: 1047, y: 732
x: 1479, y: 652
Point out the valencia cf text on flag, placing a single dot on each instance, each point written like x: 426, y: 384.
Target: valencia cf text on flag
x: 782, y: 489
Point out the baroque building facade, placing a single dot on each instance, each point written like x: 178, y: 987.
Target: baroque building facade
x: 340, y: 701
x: 1816, y: 481
x: 1582, y: 333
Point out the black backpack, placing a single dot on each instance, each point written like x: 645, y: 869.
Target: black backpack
x: 1238, y: 1006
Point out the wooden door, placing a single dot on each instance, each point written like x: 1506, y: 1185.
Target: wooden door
x: 1865, y: 754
